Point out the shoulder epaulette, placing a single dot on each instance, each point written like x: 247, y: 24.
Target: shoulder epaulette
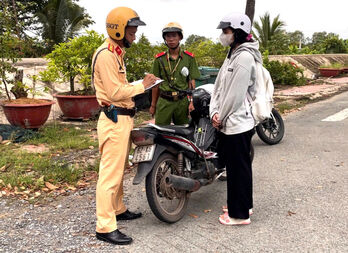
x: 189, y: 53
x: 160, y: 54
x: 111, y: 48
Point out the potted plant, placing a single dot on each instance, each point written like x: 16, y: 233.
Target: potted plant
x: 345, y: 67
x: 71, y: 62
x: 331, y: 70
x: 18, y: 108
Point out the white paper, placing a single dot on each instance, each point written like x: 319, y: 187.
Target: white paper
x: 141, y: 80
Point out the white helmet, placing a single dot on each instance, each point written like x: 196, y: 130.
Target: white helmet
x: 236, y: 21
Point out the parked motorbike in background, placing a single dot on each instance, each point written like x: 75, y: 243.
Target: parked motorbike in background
x: 271, y: 131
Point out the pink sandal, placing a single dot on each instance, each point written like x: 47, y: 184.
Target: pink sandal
x: 225, y: 210
x: 227, y: 220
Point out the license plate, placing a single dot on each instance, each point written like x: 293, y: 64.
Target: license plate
x: 143, y: 153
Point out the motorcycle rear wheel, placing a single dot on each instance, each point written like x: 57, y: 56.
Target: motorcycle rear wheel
x: 167, y: 203
x: 272, y: 130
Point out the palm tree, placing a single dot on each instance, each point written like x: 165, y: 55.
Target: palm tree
x: 61, y: 20
x: 267, y: 31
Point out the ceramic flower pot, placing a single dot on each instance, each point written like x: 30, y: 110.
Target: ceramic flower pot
x: 329, y: 72
x: 78, y: 107
x: 28, y: 115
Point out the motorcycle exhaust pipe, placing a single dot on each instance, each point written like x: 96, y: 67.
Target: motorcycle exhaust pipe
x: 183, y: 183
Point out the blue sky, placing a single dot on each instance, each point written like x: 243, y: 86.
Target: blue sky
x: 201, y: 17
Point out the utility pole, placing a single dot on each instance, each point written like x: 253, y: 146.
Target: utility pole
x: 250, y: 9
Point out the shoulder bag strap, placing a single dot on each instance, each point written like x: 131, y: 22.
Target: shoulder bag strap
x: 93, y: 65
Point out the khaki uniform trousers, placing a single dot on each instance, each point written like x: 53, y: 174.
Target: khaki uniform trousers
x: 114, y: 148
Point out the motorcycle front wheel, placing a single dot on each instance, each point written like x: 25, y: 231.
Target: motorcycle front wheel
x: 167, y: 203
x: 271, y: 131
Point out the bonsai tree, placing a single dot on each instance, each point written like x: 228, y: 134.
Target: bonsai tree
x: 8, y: 52
x: 71, y: 60
x: 25, y: 113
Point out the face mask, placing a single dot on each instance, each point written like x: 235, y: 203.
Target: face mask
x: 226, y: 39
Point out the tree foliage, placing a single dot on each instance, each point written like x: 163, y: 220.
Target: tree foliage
x: 139, y: 59
x: 194, y: 39
x: 268, y: 32
x: 333, y: 45
x: 73, y: 58
x: 9, y: 48
x: 26, y: 11
x: 62, y: 20
x: 296, y: 38
x: 208, y: 53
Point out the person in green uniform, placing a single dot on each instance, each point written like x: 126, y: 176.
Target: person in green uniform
x: 178, y: 68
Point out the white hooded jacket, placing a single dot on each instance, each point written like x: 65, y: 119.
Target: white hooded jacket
x: 236, y: 77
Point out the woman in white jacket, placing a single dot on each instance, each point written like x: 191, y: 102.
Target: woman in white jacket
x: 231, y: 115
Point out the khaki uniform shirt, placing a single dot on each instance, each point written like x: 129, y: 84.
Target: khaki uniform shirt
x: 110, y: 79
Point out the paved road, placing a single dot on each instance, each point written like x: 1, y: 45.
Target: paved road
x: 300, y: 196
x: 300, y: 203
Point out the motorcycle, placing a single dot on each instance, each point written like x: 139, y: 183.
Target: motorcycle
x: 271, y: 130
x: 177, y: 160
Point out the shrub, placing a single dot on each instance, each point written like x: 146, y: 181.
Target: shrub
x: 284, y: 72
x: 335, y: 65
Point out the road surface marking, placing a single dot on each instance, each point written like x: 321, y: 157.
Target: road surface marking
x: 337, y: 116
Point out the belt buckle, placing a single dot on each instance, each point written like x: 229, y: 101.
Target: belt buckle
x: 174, y: 93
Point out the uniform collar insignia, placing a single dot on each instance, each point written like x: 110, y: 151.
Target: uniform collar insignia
x: 118, y: 50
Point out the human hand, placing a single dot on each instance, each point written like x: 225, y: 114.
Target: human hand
x: 152, y: 110
x: 191, y: 107
x: 149, y: 80
x: 216, y: 122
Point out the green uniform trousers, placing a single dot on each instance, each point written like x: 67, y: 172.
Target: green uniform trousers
x: 166, y: 111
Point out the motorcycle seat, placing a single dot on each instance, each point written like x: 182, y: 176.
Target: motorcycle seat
x: 181, y: 130
x: 184, y: 131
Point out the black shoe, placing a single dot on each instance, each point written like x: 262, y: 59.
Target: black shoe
x: 114, y: 237
x: 127, y: 215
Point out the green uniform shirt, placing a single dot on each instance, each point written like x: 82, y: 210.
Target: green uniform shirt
x: 179, y: 81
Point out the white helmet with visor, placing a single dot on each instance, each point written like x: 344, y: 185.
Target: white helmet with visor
x: 236, y: 21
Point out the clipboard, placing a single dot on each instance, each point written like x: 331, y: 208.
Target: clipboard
x: 148, y: 88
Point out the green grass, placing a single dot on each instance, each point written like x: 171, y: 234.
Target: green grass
x: 282, y: 107
x: 62, y: 137
x: 287, y: 106
x: 31, y: 170
x: 141, y: 116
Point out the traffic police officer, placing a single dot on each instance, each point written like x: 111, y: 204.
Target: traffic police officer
x: 179, y: 70
x: 115, y: 122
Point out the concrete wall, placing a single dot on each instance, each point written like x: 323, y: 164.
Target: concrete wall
x: 310, y: 63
